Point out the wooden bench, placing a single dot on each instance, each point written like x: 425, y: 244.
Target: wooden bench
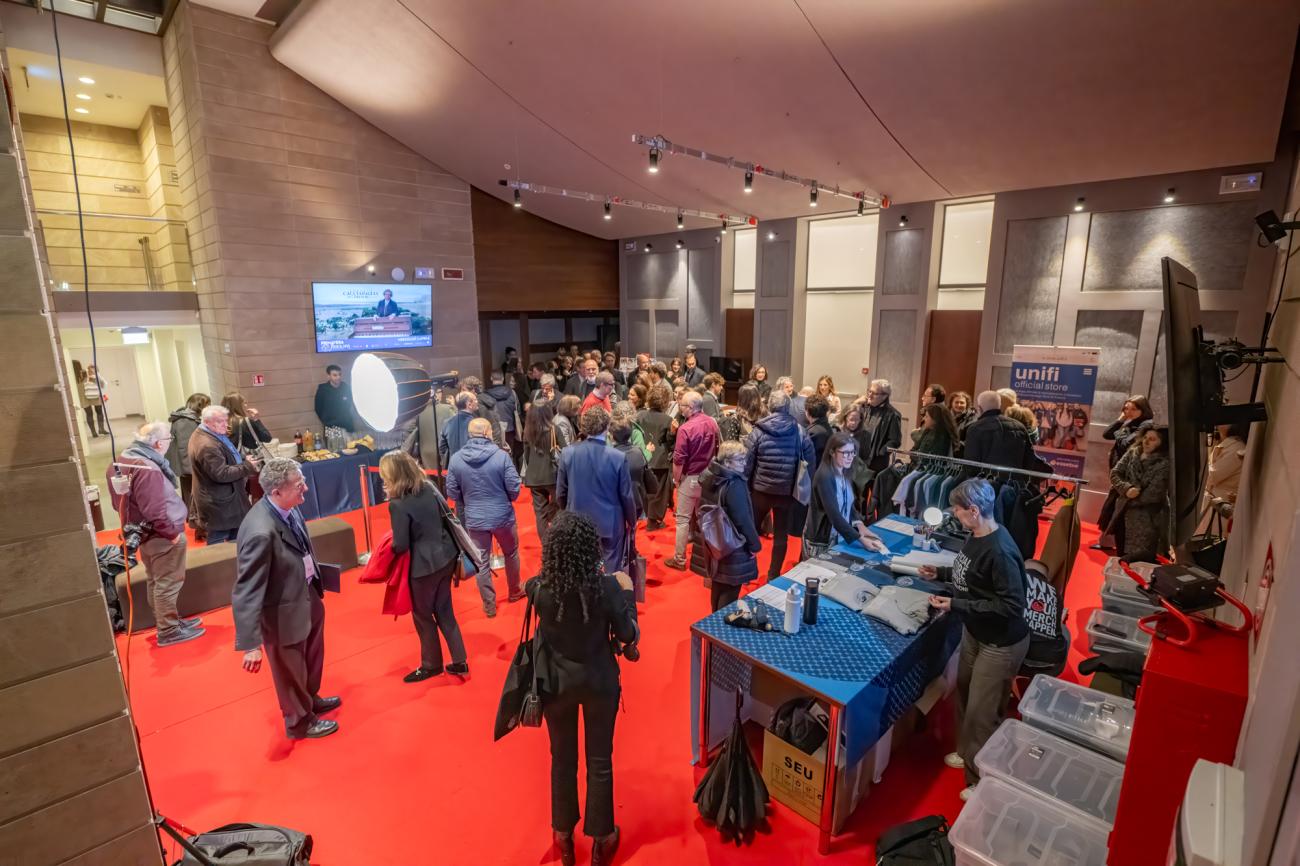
x: 210, y: 572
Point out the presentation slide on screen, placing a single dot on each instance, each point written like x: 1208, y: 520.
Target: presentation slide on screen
x: 369, y: 316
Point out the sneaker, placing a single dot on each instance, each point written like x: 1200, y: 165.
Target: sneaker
x: 675, y: 563
x: 954, y: 760
x: 180, y: 634
x: 192, y: 622
x: 490, y: 612
x: 967, y: 793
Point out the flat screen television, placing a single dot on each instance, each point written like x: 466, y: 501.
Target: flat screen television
x: 367, y: 317
x: 1187, y: 426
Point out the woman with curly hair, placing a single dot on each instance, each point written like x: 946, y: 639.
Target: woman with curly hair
x: 579, y: 607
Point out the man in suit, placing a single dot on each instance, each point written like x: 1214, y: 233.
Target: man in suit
x: 593, y: 479
x: 277, y: 603
x: 711, y: 393
x: 387, y: 308
x: 585, y: 382
x: 693, y: 375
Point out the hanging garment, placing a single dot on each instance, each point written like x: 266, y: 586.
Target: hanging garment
x: 1062, y: 545
x: 1021, y: 519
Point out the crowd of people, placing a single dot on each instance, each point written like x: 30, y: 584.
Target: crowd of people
x: 606, y: 453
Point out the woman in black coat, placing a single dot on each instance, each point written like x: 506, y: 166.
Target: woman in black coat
x: 723, y: 484
x: 833, y: 511
x: 758, y: 378
x: 418, y: 530
x: 540, y: 440
x: 579, y: 608
x: 1124, y: 432
x: 657, y: 428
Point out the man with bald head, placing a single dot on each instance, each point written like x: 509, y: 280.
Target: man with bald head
x: 996, y: 440
x: 482, y: 480
x: 697, y: 442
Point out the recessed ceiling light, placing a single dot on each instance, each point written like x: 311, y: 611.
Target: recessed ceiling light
x: 83, y: 96
x: 86, y: 79
x: 82, y: 110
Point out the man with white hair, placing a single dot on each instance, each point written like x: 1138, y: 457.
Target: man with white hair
x: 150, y: 503
x: 482, y: 480
x: 221, y: 476
x: 585, y: 382
x: 997, y: 440
x: 697, y: 442
x: 277, y: 601
x: 882, y: 426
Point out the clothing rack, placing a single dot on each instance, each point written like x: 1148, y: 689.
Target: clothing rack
x: 987, y: 467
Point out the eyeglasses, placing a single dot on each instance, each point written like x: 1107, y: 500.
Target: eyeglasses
x: 847, y: 452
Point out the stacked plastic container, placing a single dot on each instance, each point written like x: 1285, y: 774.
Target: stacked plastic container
x: 1114, y: 632
x: 1120, y: 594
x: 1049, y: 785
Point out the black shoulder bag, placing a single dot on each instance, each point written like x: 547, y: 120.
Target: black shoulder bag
x: 923, y: 842
x: 521, y: 701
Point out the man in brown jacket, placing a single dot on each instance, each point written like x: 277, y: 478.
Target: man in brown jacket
x: 143, y: 489
x: 220, y: 476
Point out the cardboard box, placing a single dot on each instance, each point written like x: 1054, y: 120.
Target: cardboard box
x: 793, y: 777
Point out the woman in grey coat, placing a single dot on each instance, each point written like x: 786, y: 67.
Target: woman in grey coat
x: 1141, y: 479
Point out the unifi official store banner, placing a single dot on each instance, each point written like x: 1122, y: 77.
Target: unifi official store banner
x: 1057, y: 384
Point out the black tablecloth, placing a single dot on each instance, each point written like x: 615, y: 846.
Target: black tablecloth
x: 334, y: 486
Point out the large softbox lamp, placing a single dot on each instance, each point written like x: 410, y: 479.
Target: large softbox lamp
x: 388, y: 389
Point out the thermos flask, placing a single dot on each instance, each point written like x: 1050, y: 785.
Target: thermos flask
x: 810, y: 601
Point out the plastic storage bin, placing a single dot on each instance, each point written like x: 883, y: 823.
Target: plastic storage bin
x: 1121, y: 595
x: 1114, y: 631
x: 1043, y: 763
x: 1003, y: 825
x: 1096, y: 720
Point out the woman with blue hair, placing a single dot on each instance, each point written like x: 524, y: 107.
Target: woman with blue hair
x: 988, y: 579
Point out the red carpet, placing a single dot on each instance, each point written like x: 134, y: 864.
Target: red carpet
x: 413, y: 775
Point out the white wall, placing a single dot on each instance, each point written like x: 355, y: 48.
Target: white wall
x: 838, y: 340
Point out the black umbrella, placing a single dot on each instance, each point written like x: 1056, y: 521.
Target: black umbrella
x: 732, y: 794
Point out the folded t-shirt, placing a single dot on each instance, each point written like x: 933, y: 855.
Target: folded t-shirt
x: 906, y: 610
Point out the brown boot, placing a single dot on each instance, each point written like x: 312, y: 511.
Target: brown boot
x: 603, y: 848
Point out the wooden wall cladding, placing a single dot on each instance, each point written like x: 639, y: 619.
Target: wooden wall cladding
x: 47, y: 571
x: 77, y: 825
x: 53, y: 637
x: 528, y: 264
x: 40, y: 710
x: 64, y: 767
x: 40, y: 500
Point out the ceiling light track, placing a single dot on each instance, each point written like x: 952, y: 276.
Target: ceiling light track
x: 661, y: 147
x: 609, y: 201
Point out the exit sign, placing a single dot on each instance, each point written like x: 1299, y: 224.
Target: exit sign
x: 259, y: 379
x: 453, y: 273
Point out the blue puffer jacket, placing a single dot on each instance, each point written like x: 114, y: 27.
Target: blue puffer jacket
x: 776, y: 444
x: 482, y: 481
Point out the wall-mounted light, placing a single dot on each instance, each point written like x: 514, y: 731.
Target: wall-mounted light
x: 680, y: 244
x: 370, y: 269
x: 749, y: 180
x: 1169, y: 195
x: 812, y: 195
x: 862, y: 207
x: 1078, y: 204
x: 519, y: 199
x: 771, y: 236
x: 902, y: 221
x: 133, y: 335
x: 649, y: 247
x: 609, y: 210
x: 724, y: 227
x: 654, y: 160
x: 681, y: 220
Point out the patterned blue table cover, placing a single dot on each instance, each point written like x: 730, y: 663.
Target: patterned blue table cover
x: 859, y: 662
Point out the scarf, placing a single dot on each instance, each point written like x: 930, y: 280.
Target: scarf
x: 224, y: 440
x: 143, y: 451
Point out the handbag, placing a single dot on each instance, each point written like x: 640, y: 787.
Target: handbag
x: 459, y: 534
x: 718, y: 532
x: 923, y: 842
x: 521, y: 701
x: 636, y: 569
x: 1207, y: 548
x: 555, y: 449
x: 802, y: 491
x: 250, y: 845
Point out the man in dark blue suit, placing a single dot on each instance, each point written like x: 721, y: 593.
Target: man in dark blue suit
x: 594, y: 480
x: 387, y: 308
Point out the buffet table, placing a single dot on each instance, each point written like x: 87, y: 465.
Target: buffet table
x: 866, y: 673
x: 334, y: 485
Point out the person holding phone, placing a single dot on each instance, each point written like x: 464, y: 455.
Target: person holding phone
x: 988, y: 579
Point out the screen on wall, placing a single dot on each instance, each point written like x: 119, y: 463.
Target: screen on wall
x: 369, y: 316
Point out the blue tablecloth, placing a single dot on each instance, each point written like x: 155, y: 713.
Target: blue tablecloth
x: 859, y: 662
x: 334, y: 486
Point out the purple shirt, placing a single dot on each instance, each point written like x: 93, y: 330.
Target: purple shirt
x: 697, y: 442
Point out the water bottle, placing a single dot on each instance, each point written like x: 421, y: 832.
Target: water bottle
x: 793, y: 610
x: 810, y: 601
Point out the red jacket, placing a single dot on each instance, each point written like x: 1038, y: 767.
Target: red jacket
x: 387, y: 568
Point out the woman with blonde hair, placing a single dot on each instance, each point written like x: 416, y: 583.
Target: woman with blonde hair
x: 419, y: 530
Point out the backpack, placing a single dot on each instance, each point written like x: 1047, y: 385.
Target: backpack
x: 923, y: 842
x: 802, y: 723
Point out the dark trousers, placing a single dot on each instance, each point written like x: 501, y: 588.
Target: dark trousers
x: 296, y: 668
x: 723, y: 594
x: 93, y: 410
x: 656, y: 506
x: 598, y: 715
x: 544, y: 507
x: 516, y: 448
x: 218, y: 536
x: 187, y: 488
x: 432, y: 612
x: 780, y: 506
